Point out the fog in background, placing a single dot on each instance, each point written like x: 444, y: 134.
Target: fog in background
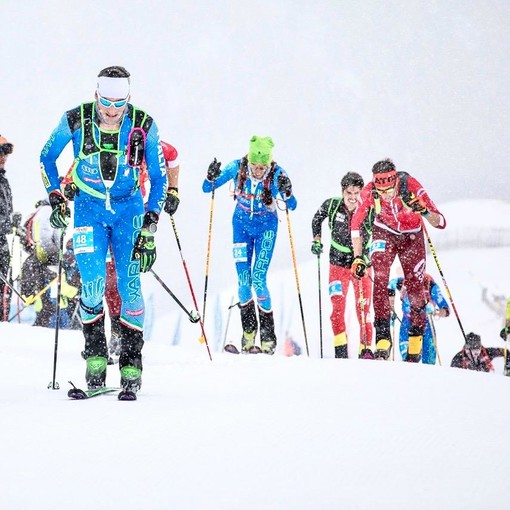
x: 339, y: 85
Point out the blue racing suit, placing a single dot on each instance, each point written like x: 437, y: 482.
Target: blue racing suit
x: 108, y: 209
x: 434, y: 298
x: 255, y: 226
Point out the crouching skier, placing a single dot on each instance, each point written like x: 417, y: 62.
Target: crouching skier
x: 111, y: 139
x: 257, y: 182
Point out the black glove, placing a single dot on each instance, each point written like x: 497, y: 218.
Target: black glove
x: 418, y: 206
x: 504, y: 332
x: 145, y: 248
x: 16, y: 219
x: 284, y: 185
x: 214, y: 170
x: 172, y: 201
x: 71, y: 190
x: 60, y: 215
x: 358, y: 268
x: 317, y: 247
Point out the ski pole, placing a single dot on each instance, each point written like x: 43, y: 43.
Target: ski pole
x: 31, y: 299
x: 361, y: 306
x: 395, y: 316
x: 291, y: 240
x: 13, y: 289
x: 201, y: 321
x: 320, y: 301
x: 53, y: 384
x: 193, y: 315
x: 433, y: 251
x: 206, y: 282
x: 434, y: 336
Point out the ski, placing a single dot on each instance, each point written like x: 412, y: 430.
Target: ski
x: 232, y: 349
x: 78, y: 394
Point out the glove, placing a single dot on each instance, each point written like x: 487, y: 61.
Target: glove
x: 317, y: 248
x: 145, y: 251
x: 60, y: 215
x: 284, y: 185
x: 71, y: 190
x: 504, y: 332
x: 214, y: 170
x: 172, y: 201
x: 358, y: 268
x: 418, y: 205
x: 16, y: 219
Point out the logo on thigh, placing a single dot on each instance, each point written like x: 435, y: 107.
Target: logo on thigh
x: 378, y: 245
x: 335, y: 288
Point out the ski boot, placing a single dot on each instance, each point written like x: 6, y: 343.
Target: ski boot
x: 340, y: 343
x: 414, y: 347
x: 130, y: 382
x: 250, y: 326
x: 382, y: 339
x: 130, y: 362
x: 341, y: 351
x: 95, y: 374
x: 267, y: 336
x: 365, y: 352
x: 95, y: 353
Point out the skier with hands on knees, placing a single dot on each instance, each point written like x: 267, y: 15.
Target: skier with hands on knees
x: 400, y: 204
x: 339, y: 211
x: 257, y: 181
x: 111, y: 139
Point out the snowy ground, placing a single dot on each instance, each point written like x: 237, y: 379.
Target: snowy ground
x: 262, y: 432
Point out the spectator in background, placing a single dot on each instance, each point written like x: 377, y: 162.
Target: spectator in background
x: 9, y: 222
x: 474, y: 356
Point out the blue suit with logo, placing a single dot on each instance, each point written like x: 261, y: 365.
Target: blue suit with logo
x: 255, y: 226
x: 109, y: 209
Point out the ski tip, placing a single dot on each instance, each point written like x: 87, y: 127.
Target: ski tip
x: 231, y: 348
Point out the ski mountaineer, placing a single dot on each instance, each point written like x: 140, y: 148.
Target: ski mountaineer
x: 9, y: 222
x: 436, y: 305
x: 474, y: 356
x: 111, y: 139
x: 400, y: 203
x: 257, y: 181
x: 339, y: 211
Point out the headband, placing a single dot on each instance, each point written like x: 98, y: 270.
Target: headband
x: 113, y: 88
x: 386, y: 180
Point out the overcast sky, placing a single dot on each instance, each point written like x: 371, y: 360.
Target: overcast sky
x: 338, y: 84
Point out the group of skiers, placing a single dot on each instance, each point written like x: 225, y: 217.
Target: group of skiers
x: 117, y: 148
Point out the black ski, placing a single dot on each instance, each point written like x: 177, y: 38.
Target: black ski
x: 78, y: 394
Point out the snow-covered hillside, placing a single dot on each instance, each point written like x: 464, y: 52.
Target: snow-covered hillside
x: 263, y: 432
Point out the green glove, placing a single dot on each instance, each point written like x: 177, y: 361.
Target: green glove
x: 317, y: 247
x: 145, y: 251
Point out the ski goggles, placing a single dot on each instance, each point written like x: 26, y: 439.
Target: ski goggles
x: 107, y: 103
x: 6, y: 148
x: 257, y: 167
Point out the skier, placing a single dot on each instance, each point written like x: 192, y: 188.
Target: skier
x: 436, y: 305
x: 474, y: 356
x: 9, y: 222
x: 400, y: 203
x: 111, y: 138
x: 257, y: 182
x: 339, y: 211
